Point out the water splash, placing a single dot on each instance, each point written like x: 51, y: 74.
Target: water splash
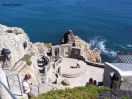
x: 99, y: 44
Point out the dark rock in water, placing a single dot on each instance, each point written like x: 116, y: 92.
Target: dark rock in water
x: 118, y: 94
x: 68, y: 37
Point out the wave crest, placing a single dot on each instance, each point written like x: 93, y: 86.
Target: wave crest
x: 99, y: 44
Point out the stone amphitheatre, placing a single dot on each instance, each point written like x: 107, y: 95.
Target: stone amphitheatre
x: 46, y: 69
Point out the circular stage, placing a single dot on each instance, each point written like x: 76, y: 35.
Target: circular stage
x: 69, y: 70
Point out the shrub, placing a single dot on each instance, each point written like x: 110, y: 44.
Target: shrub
x: 89, y: 92
x: 26, y: 58
x: 29, y: 63
x: 48, y: 45
x: 58, y: 72
x: 101, y: 89
x: 53, y: 67
x: 65, y: 84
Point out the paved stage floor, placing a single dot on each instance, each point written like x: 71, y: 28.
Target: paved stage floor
x: 91, y: 72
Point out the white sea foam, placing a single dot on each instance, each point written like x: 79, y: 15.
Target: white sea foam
x: 127, y: 46
x: 97, y: 43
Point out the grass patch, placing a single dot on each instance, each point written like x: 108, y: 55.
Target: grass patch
x: 65, y: 84
x: 66, y: 53
x: 58, y: 72
x: 48, y: 45
x: 87, y: 92
x: 53, y: 67
x: 26, y: 58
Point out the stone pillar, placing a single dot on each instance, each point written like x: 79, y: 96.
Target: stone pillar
x: 46, y: 74
x: 59, y: 70
x: 3, y: 93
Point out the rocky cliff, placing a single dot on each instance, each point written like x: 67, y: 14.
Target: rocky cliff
x: 17, y: 41
x: 91, y: 55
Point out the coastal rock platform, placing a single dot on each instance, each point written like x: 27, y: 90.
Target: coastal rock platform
x: 69, y: 69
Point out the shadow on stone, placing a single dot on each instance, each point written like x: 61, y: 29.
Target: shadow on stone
x: 72, y: 66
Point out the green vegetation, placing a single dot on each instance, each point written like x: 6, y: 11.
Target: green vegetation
x: 66, y: 53
x: 48, y: 45
x: 101, y: 89
x: 26, y: 58
x: 126, y: 98
x: 87, y: 92
x: 65, y: 84
x: 53, y: 67
x: 58, y: 72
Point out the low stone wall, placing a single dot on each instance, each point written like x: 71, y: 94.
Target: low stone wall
x: 3, y: 93
x: 76, y: 53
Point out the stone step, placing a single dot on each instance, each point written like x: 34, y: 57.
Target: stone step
x: 21, y: 66
x: 17, y: 65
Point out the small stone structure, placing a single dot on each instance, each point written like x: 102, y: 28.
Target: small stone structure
x: 118, y: 76
x: 73, y: 52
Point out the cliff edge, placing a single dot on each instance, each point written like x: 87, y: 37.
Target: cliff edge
x: 17, y: 46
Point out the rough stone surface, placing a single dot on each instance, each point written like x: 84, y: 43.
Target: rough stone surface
x: 41, y: 48
x: 91, y: 55
x: 13, y: 39
x: 115, y: 94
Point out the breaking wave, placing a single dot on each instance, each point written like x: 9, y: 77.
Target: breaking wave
x: 127, y: 46
x: 99, y: 44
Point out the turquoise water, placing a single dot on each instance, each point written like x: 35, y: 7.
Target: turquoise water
x: 105, y: 24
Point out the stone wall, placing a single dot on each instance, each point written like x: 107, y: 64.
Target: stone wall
x: 3, y: 93
x: 107, y: 80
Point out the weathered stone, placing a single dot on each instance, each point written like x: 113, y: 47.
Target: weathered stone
x: 13, y: 39
x: 91, y: 55
x: 41, y: 48
x: 66, y: 81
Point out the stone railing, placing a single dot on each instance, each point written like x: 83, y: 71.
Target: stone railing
x: 58, y: 62
x: 47, y: 68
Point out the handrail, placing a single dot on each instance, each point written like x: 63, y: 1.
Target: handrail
x: 34, y: 85
x: 18, y: 81
x: 8, y: 91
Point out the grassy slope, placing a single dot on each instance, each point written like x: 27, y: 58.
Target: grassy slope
x: 87, y: 92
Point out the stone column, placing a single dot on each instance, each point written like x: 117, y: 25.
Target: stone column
x: 3, y: 93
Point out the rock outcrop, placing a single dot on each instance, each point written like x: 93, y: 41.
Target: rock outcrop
x: 17, y: 41
x: 13, y: 39
x: 91, y: 55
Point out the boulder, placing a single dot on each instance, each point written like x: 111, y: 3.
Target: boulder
x: 66, y: 82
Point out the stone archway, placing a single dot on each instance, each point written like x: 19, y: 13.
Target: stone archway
x: 56, y: 51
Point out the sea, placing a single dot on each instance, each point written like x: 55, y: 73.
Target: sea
x: 105, y: 24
